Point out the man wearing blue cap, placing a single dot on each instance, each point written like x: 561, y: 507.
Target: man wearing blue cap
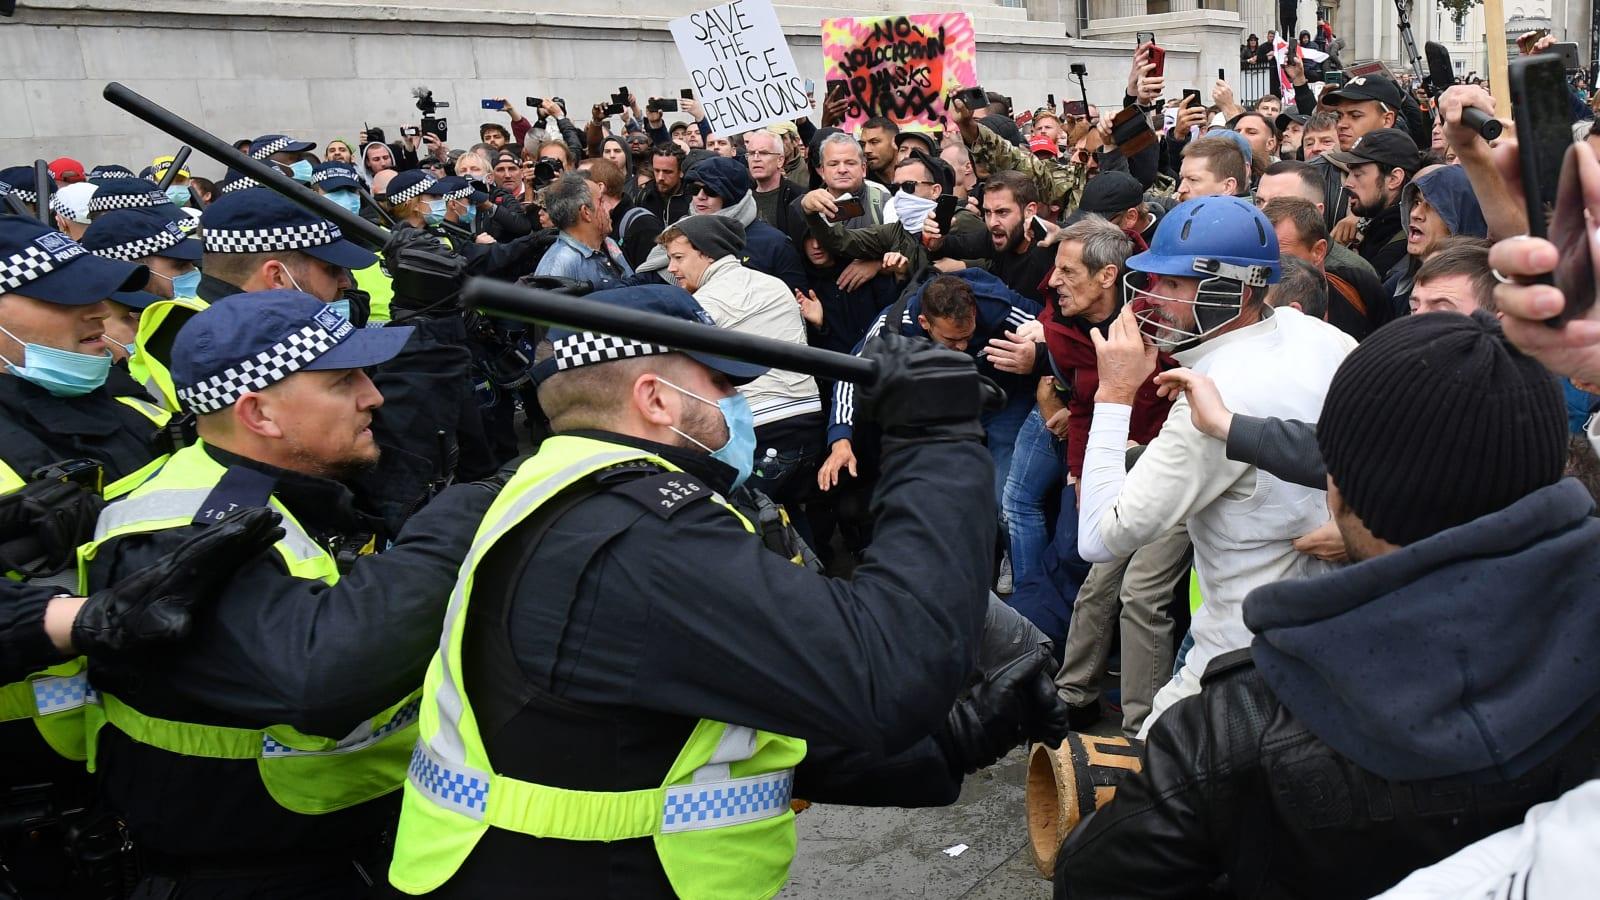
x: 289, y: 716
x: 1205, y: 302
x: 626, y: 670
x: 287, y: 152
x: 136, y: 193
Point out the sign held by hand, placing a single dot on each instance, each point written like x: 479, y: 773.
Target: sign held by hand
x: 740, y: 66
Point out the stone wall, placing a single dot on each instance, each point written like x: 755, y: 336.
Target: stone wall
x: 321, y: 70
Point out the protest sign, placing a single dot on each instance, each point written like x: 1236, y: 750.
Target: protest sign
x: 740, y: 66
x: 899, y: 67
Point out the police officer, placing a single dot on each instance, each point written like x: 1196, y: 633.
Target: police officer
x: 254, y: 759
x: 340, y: 183
x: 18, y: 181
x: 628, y: 679
x: 65, y: 440
x: 136, y: 193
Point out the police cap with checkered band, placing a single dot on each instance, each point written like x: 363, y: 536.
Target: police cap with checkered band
x: 257, y: 220
x: 133, y: 234
x: 268, y: 144
x: 44, y: 264
x: 335, y: 176
x: 249, y: 342
x: 131, y: 193
x: 573, y: 349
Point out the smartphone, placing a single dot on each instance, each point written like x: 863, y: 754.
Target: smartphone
x: 1158, y: 57
x: 534, y: 102
x: 849, y: 208
x: 622, y: 95
x: 439, y: 127
x: 1076, y: 108
x: 1024, y: 117
x: 836, y: 87
x: 972, y: 98
x: 1037, y: 230
x: 1050, y: 101
x: 494, y: 104
x: 688, y: 93
x: 660, y: 105
x: 1222, y: 75
x: 945, y: 211
x: 1140, y: 38
x: 1191, y: 92
x: 1540, y: 107
x: 810, y: 86
x: 614, y: 109
x: 1568, y: 51
x: 408, y: 131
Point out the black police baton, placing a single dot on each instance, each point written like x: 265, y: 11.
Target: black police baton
x: 189, y: 133
x: 1441, y: 75
x: 42, y: 184
x: 171, y: 173
x: 526, y: 304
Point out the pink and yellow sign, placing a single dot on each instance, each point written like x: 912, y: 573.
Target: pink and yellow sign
x: 899, y: 67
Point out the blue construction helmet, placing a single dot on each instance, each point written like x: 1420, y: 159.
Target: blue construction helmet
x: 1227, y: 244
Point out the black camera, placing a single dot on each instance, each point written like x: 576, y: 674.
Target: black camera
x: 547, y: 170
x: 425, y: 101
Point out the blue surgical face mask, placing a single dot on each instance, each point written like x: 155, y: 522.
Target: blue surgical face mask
x: 341, y: 306
x: 179, y: 194
x: 435, y: 213
x: 61, y: 372
x: 470, y: 216
x: 348, y: 199
x: 740, y: 450
x: 301, y: 170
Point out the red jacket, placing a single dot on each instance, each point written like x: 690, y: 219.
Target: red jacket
x: 1072, y: 353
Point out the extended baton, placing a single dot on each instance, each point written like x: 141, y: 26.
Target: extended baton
x: 171, y: 173
x: 526, y: 304
x: 223, y: 152
x: 42, y: 183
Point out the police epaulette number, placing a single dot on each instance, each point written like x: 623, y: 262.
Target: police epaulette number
x: 665, y: 494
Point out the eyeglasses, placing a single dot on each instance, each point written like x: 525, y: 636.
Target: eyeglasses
x: 762, y: 153
x: 910, y: 187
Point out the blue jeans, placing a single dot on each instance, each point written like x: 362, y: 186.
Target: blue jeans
x: 1034, y: 479
x: 1000, y: 430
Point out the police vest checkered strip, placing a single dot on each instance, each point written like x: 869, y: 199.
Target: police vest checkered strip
x: 402, y: 718
x: 690, y: 807
x: 145, y: 246
x: 270, y: 240
x: 464, y: 792
x: 103, y: 203
x: 238, y: 184
x: 587, y: 348
x: 270, y: 148
x: 268, y: 367
x: 411, y: 193
x: 60, y: 693
x: 21, y: 268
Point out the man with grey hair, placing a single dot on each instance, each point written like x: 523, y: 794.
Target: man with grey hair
x: 584, y: 249
x: 1301, y: 287
x: 1087, y: 286
x: 842, y: 165
x: 763, y: 152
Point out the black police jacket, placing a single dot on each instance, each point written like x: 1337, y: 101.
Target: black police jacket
x: 275, y: 649
x: 604, y: 635
x: 1238, y: 798
x: 38, y: 428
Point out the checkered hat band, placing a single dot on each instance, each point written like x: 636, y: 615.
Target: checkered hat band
x: 29, y: 265
x: 462, y: 194
x: 24, y: 195
x: 147, y: 246
x: 588, y: 348
x: 413, y: 192
x: 276, y: 146
x: 320, y: 177
x: 237, y: 184
x: 259, y: 372
x: 102, y: 203
x: 268, y: 240
x: 56, y: 206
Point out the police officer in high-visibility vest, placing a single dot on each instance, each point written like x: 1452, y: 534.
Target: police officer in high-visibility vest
x: 447, y: 207
x: 263, y: 756
x: 630, y: 687
x: 66, y: 440
x: 340, y: 183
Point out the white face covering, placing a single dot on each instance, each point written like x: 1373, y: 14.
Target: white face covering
x: 912, y: 210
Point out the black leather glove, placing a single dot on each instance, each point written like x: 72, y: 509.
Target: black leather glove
x: 924, y: 392
x: 427, y: 276
x: 985, y: 724
x: 42, y: 524
x: 157, y: 605
x: 1044, y: 713
x: 576, y: 287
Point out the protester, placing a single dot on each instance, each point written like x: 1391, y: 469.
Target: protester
x: 1357, y: 302
x: 1375, y: 174
x: 585, y: 250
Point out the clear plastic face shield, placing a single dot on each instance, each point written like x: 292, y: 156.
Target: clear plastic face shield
x: 1217, y: 302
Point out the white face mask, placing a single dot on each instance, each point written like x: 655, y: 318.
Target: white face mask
x: 912, y: 210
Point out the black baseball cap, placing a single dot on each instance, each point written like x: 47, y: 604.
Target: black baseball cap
x: 1366, y: 87
x: 1390, y: 148
x: 927, y: 138
x: 1285, y: 119
x: 1111, y: 194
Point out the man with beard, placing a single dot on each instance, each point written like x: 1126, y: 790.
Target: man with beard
x: 1375, y: 174
x: 1010, y: 206
x: 878, y: 144
x: 1207, y: 273
x: 316, y: 640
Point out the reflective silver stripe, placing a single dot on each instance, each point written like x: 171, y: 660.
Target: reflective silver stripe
x: 458, y: 788
x: 718, y: 804
x: 364, y: 736
x: 737, y: 744
x: 183, y: 503
x: 447, y: 744
x: 60, y: 693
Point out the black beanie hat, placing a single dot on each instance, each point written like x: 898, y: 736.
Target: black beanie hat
x: 715, y: 236
x: 1436, y: 420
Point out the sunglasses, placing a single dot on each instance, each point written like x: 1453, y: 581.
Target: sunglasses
x: 910, y: 187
